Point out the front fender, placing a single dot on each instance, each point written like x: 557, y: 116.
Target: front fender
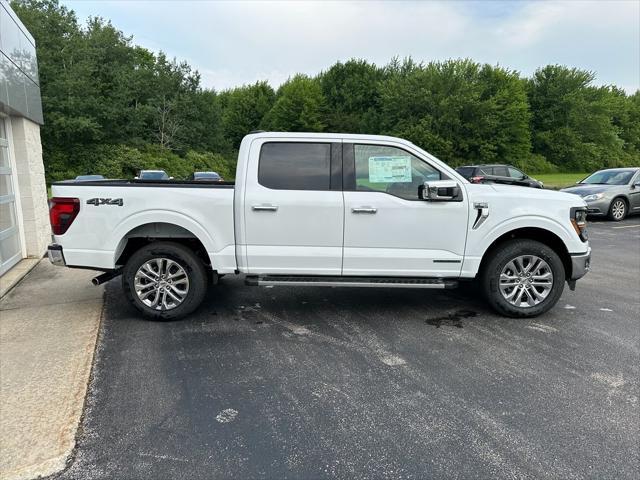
x: 481, y: 244
x: 480, y: 240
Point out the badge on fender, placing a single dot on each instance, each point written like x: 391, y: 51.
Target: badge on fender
x: 105, y: 201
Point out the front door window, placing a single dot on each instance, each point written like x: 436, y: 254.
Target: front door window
x: 391, y: 170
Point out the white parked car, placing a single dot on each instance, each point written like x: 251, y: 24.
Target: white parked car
x: 324, y: 210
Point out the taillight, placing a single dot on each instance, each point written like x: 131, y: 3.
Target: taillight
x: 476, y: 179
x: 62, y: 212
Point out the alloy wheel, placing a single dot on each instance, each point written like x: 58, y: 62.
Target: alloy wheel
x: 526, y: 281
x: 618, y: 209
x: 161, y: 284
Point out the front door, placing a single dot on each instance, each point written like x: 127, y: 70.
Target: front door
x: 389, y: 230
x: 293, y: 207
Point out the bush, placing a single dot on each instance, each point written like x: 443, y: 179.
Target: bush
x: 536, y: 164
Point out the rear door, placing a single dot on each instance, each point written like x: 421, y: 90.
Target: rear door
x: 294, y: 207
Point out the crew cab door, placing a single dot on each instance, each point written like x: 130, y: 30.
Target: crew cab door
x: 389, y: 230
x: 293, y: 207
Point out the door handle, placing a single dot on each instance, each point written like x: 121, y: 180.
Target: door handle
x: 264, y: 208
x: 369, y: 210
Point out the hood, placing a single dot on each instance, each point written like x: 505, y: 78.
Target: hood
x: 584, y: 190
x: 517, y: 191
x: 516, y: 201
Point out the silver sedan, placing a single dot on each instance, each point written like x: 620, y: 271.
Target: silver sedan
x: 614, y: 192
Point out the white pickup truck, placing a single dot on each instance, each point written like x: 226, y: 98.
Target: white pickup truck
x: 323, y: 210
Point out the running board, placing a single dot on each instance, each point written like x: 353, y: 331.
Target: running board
x: 326, y: 281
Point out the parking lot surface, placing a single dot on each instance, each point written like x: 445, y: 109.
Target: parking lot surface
x: 371, y: 383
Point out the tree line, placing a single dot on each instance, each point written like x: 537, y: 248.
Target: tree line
x: 112, y: 107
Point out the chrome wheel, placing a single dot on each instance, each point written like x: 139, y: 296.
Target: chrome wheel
x: 618, y: 209
x: 526, y: 281
x: 161, y: 284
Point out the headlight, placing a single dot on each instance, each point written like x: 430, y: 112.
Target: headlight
x: 578, y: 216
x: 593, y: 197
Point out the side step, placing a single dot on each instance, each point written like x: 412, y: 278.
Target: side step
x: 329, y: 281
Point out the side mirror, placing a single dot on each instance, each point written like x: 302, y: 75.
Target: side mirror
x: 440, y: 191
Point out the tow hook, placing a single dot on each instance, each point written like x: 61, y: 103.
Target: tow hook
x: 106, y: 276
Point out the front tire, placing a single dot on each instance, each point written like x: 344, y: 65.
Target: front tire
x: 164, y: 280
x: 523, y: 278
x: 618, y: 210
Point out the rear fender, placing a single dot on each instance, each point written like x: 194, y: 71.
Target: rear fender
x: 118, y: 238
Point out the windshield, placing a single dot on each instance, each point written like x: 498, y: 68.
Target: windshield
x: 153, y: 175
x: 609, y: 177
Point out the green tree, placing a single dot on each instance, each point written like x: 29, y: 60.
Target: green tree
x: 572, y: 122
x: 352, y: 95
x: 459, y: 110
x: 300, y: 107
x: 627, y: 120
x: 244, y: 108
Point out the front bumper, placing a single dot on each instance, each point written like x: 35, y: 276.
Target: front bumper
x: 54, y: 252
x: 598, y: 207
x: 580, y: 264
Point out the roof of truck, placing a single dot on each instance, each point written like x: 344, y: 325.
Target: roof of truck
x: 350, y: 136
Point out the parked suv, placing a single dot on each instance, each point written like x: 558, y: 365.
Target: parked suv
x: 505, y: 174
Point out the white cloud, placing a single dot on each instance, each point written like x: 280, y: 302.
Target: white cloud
x: 232, y: 43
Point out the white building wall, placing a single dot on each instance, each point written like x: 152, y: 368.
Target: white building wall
x: 32, y: 188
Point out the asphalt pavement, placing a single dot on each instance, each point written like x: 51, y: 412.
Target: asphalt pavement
x: 310, y: 383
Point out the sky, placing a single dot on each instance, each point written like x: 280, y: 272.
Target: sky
x: 232, y: 43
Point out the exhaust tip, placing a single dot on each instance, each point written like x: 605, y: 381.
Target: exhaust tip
x: 95, y: 281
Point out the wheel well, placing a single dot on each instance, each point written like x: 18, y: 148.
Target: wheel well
x: 145, y: 234
x: 623, y: 198
x: 540, y: 235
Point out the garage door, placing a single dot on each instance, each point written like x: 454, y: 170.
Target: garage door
x: 10, y: 248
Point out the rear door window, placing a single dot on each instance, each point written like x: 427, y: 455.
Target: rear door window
x: 295, y: 166
x: 500, y: 172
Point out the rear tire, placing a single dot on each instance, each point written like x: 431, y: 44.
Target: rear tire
x: 164, y: 281
x: 522, y: 278
x: 618, y: 210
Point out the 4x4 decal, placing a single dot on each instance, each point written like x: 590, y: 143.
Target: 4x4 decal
x: 105, y: 201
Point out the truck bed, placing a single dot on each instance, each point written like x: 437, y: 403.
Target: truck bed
x: 111, y: 211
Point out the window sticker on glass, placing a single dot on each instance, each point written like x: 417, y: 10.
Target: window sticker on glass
x: 389, y: 169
